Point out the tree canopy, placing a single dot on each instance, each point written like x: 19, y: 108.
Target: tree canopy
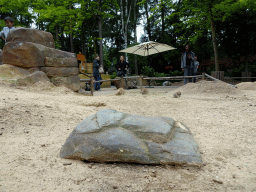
x: 215, y: 29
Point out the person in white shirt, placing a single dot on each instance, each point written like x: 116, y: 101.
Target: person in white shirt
x: 9, y: 26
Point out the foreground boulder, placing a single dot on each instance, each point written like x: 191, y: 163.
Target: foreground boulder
x: 112, y: 136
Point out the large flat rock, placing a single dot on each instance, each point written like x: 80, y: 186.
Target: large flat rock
x: 21, y: 34
x: 60, y: 62
x: 112, y: 136
x: 60, y: 72
x: 27, y: 54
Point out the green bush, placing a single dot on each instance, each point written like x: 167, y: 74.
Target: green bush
x: 148, y: 71
x: 156, y: 74
x: 176, y: 73
x: 114, y: 75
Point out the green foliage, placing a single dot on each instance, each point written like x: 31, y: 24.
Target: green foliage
x: 148, y: 71
x: 114, y: 75
x: 176, y: 73
x: 156, y: 74
x: 170, y: 22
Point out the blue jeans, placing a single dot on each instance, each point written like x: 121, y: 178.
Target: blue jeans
x: 194, y: 78
x: 97, y: 85
x: 188, y: 72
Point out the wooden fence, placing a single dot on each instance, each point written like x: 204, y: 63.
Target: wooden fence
x: 122, y: 79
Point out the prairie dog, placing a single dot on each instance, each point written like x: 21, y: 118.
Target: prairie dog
x: 120, y: 91
x: 177, y: 94
x: 144, y: 91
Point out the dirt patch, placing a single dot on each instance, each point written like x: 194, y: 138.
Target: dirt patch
x: 247, y: 85
x: 208, y: 87
x: 34, y: 124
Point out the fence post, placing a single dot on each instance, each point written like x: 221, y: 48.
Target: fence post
x: 203, y: 76
x: 140, y: 79
x: 122, y: 82
x: 92, y: 85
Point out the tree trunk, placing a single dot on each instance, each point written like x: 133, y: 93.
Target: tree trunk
x: 135, y: 39
x: 214, y: 41
x: 100, y: 36
x: 126, y: 29
x: 72, y: 50
x: 83, y: 47
x: 148, y: 22
x: 57, y: 36
x: 162, y: 18
x: 122, y: 17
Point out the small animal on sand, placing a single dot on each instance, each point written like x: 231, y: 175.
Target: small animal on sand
x: 120, y: 91
x: 177, y: 94
x: 144, y: 91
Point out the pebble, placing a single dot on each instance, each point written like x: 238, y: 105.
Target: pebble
x: 65, y: 164
x: 217, y: 180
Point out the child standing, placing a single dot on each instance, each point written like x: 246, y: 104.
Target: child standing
x: 196, y: 65
x: 9, y: 26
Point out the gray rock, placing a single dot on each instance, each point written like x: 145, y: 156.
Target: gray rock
x: 112, y: 136
x: 71, y: 82
x: 33, y: 78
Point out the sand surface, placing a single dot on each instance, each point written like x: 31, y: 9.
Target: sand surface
x: 36, y: 121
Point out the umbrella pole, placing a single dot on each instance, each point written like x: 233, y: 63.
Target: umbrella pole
x: 149, y: 81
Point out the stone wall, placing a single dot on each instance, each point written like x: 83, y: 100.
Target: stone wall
x: 35, y: 49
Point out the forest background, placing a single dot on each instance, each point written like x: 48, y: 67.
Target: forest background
x: 221, y: 32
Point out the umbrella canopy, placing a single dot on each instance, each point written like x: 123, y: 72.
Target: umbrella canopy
x: 148, y: 48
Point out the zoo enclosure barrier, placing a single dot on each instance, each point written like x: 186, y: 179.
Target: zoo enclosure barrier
x: 122, y: 79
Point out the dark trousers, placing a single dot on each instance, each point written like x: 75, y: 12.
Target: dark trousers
x: 194, y: 78
x: 188, y: 72
x: 97, y: 85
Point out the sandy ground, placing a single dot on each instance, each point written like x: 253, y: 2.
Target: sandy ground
x: 35, y: 122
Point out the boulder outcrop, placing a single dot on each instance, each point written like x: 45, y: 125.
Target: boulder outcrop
x: 33, y: 50
x: 112, y: 136
x: 21, y: 34
x: 33, y: 78
x: 27, y: 54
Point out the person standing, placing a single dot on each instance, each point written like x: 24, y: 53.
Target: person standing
x: 96, y: 73
x: 9, y: 22
x: 122, y: 67
x: 187, y: 63
x: 196, y: 65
